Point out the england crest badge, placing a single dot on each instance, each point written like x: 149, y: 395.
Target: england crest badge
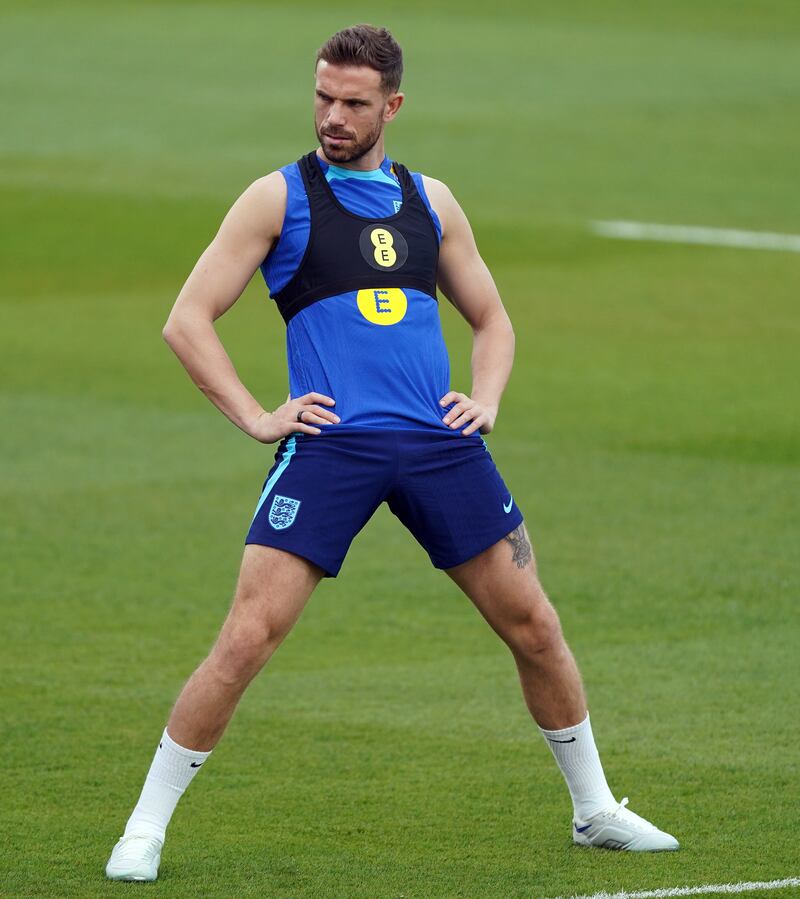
x: 283, y: 511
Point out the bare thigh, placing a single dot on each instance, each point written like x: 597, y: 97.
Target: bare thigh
x: 503, y: 584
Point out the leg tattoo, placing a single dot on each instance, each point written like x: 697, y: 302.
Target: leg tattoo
x: 521, y: 551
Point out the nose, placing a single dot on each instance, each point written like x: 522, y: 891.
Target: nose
x: 336, y: 115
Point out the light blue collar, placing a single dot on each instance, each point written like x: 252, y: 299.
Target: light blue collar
x: 335, y: 172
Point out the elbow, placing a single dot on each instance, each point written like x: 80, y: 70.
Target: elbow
x: 170, y: 332
x: 511, y: 341
x: 510, y: 330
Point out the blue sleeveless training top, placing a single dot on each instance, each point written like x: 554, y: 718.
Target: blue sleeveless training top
x: 377, y: 350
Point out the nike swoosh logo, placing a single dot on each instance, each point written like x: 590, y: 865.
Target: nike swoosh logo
x: 195, y: 764
x: 571, y: 740
x: 582, y: 829
x: 507, y: 508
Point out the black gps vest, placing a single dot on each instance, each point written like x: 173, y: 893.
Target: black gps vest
x: 348, y: 252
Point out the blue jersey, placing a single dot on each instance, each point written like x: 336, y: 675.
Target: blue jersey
x: 379, y: 351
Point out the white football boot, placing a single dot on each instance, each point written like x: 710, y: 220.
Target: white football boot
x: 135, y: 858
x: 618, y: 828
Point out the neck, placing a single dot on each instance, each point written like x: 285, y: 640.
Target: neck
x: 367, y: 163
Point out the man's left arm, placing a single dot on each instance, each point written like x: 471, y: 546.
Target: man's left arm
x: 466, y: 281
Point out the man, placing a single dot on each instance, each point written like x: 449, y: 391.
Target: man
x: 352, y: 247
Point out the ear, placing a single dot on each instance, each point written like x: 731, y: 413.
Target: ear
x: 393, y: 104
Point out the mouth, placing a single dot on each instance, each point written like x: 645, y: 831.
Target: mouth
x: 336, y: 137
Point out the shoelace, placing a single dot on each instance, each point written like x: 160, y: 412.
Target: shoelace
x: 631, y: 819
x: 153, y: 845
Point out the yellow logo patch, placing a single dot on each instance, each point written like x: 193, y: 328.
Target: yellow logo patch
x: 385, y: 306
x: 383, y: 247
x: 384, y: 253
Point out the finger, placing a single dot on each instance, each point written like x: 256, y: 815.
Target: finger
x: 322, y: 413
x: 317, y: 398
x: 313, y: 418
x: 297, y: 427
x: 466, y: 415
x: 477, y: 422
x: 306, y: 429
x: 453, y: 413
x: 451, y: 397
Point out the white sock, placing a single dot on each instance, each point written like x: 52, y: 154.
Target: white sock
x: 170, y: 774
x: 578, y: 759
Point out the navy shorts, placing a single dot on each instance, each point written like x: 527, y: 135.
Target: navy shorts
x: 323, y: 488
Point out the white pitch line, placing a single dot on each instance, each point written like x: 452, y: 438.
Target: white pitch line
x: 709, y: 889
x: 715, y: 237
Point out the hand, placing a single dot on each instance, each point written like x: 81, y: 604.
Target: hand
x: 269, y: 427
x: 466, y: 409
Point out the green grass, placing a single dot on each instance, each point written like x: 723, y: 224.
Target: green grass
x: 649, y: 433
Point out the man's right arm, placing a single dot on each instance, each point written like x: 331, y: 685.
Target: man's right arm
x: 246, y: 235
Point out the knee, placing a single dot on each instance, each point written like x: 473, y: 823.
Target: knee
x: 536, y: 631
x: 241, y: 652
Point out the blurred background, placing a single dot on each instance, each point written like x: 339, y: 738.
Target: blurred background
x: 649, y: 433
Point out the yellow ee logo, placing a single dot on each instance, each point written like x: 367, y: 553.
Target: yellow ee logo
x: 383, y: 247
x: 384, y: 253
x: 385, y: 306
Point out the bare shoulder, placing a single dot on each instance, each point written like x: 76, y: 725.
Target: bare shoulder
x: 444, y: 204
x: 437, y: 189
x: 270, y: 187
x: 260, y: 209
x: 439, y: 194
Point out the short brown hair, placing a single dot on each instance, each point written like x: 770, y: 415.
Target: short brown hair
x: 366, y: 45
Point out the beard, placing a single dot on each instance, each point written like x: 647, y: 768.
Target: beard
x: 354, y: 149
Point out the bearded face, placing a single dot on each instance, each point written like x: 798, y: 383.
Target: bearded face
x: 351, y: 109
x: 348, y: 145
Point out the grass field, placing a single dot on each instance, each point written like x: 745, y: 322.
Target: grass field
x: 649, y: 433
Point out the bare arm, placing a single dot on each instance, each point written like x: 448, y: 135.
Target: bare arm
x: 466, y: 281
x: 217, y: 281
